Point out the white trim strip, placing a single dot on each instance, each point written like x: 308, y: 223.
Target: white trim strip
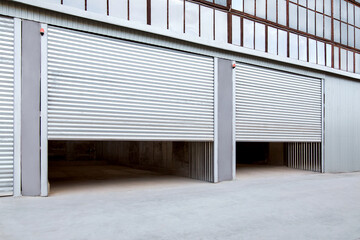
x: 17, y: 107
x: 44, y: 117
x: 323, y: 126
x: 234, y: 120
x: 216, y: 136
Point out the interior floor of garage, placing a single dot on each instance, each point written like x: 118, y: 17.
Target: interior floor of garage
x: 253, y: 171
x: 85, y: 165
x: 262, y: 160
x: 68, y: 179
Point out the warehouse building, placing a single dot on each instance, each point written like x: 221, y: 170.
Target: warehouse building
x: 188, y: 87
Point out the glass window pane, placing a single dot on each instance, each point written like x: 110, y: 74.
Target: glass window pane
x: 207, y: 21
x: 327, y: 7
x: 302, y: 19
x: 191, y: 19
x: 236, y: 31
x: 328, y: 55
x: 260, y: 37
x: 312, y: 51
x: 357, y: 37
x: 311, y: 22
x: 321, y: 53
x: 272, y: 40
x: 311, y: 4
x: 75, y: 3
x: 271, y: 14
x: 327, y: 28
x: 118, y: 8
x: 336, y: 9
x: 176, y: 16
x: 351, y: 35
x: 303, y: 48
x: 159, y: 13
x: 343, y: 59
x: 97, y: 6
x: 357, y: 63
x: 237, y: 5
x: 260, y: 8
x: 137, y: 11
x: 294, y: 46
x: 249, y: 6
x: 319, y: 25
x: 350, y: 61
x: 336, y: 58
x: 293, y: 16
x: 320, y: 6
x: 282, y: 12
x: 343, y: 11
x: 336, y: 31
x: 282, y: 43
x: 221, y: 2
x: 249, y: 36
x: 221, y: 26
x: 302, y: 2
x: 344, y: 33
x: 357, y: 18
x: 351, y: 19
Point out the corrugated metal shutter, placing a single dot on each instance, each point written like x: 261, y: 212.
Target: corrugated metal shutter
x: 6, y: 105
x: 104, y: 88
x: 275, y: 106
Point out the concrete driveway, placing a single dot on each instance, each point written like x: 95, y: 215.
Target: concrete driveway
x: 273, y: 203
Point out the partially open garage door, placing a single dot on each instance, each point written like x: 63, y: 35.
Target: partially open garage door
x: 275, y: 106
x: 109, y: 89
x: 7, y: 105
x: 141, y: 106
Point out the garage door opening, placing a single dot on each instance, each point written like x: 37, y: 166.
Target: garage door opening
x: 88, y: 164
x: 262, y: 159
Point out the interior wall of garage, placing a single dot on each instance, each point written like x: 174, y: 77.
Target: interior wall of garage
x: 342, y: 128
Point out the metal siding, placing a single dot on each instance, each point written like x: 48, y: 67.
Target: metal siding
x: 276, y: 106
x: 342, y: 128
x: 6, y: 106
x: 104, y: 88
x: 305, y: 156
x: 201, y: 161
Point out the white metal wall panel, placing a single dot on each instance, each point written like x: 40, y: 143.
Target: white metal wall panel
x: 104, y: 88
x: 6, y: 105
x: 275, y: 106
x: 342, y: 128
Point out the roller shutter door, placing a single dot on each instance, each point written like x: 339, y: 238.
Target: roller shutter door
x: 7, y: 105
x: 105, y: 88
x: 276, y: 106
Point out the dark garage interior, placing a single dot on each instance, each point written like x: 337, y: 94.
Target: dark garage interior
x: 260, y: 153
x: 80, y: 163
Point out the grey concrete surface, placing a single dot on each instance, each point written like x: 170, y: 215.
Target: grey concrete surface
x: 263, y: 203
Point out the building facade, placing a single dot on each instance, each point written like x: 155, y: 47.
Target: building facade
x: 178, y: 85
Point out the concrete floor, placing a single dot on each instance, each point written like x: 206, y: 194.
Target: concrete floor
x: 263, y: 203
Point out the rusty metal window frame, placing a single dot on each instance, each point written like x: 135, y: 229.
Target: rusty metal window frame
x: 355, y: 2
